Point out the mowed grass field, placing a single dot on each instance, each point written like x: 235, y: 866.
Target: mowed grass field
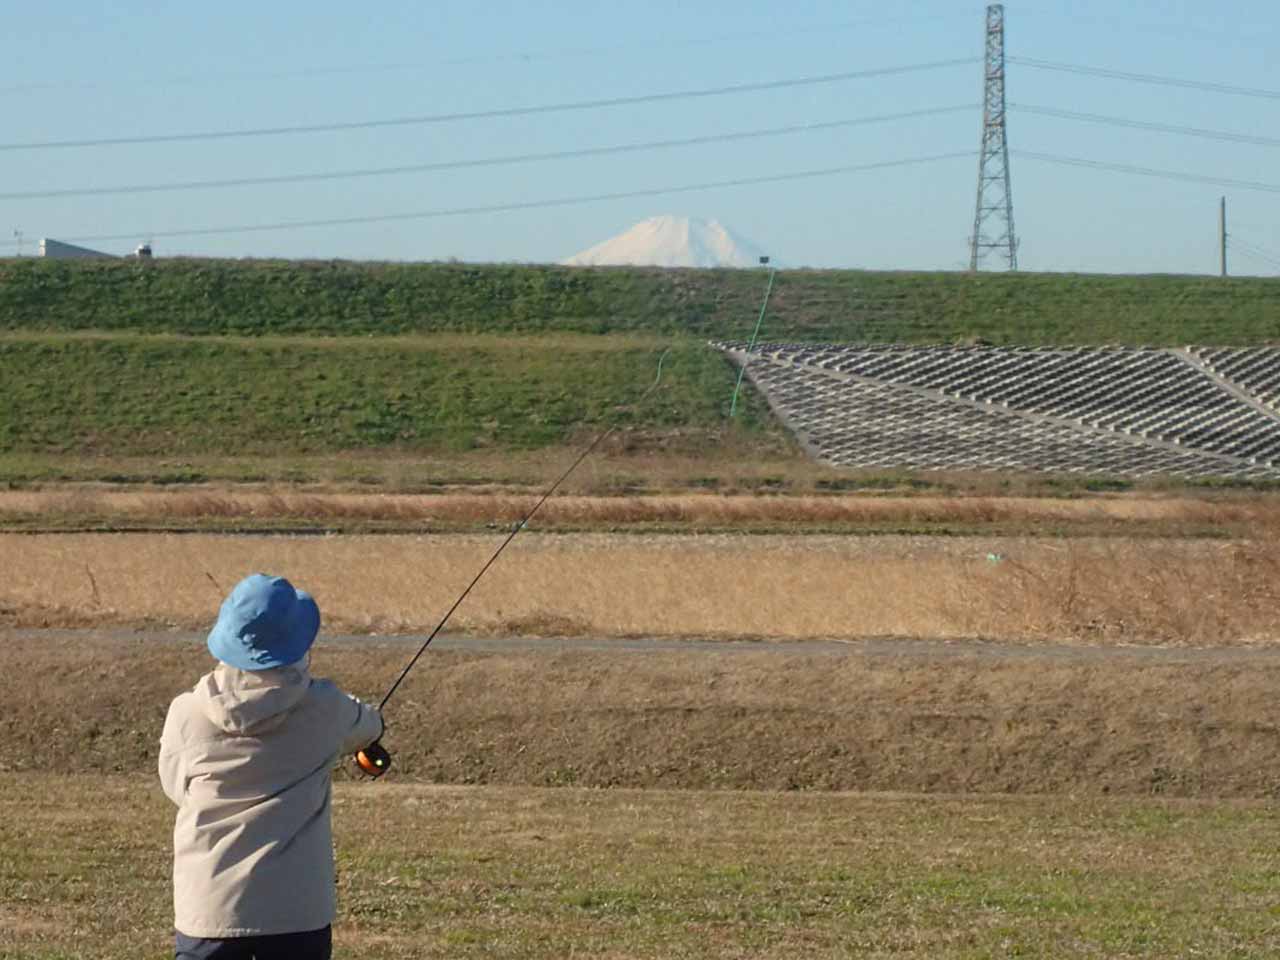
x: 555, y: 873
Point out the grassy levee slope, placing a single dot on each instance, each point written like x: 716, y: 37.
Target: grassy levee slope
x: 198, y: 361
x: 342, y: 298
x: 173, y: 396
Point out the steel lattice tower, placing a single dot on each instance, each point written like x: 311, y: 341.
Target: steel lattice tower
x: 993, y: 221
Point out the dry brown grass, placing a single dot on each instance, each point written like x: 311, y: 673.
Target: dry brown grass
x: 928, y: 718
x: 1080, y: 590
x: 86, y: 503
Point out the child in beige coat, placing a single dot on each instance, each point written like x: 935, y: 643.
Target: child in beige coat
x: 246, y: 756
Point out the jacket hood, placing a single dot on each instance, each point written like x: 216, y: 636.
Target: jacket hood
x: 244, y: 701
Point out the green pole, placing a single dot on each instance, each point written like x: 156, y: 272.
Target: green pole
x: 733, y: 404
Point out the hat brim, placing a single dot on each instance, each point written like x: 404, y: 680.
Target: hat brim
x: 227, y: 645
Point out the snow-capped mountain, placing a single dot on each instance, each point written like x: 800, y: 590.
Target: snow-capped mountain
x: 672, y: 242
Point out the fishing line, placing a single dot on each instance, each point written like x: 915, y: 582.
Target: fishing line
x: 374, y: 759
x: 733, y: 404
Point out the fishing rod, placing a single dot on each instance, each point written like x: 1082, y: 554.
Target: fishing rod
x: 374, y: 760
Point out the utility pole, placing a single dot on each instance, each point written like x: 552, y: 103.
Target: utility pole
x: 1222, y: 232
x: 993, y: 219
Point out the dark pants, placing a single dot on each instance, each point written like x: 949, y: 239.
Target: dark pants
x: 313, y: 945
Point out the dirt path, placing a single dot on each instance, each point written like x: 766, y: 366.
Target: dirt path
x: 927, y: 650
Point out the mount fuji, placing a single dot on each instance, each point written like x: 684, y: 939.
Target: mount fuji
x: 671, y: 242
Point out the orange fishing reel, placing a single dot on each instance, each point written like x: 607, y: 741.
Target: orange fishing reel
x: 373, y: 760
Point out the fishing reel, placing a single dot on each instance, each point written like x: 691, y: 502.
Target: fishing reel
x: 373, y: 761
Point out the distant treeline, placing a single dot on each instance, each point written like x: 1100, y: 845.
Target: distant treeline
x: 248, y: 297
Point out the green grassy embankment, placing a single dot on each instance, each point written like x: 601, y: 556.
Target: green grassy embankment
x: 215, y: 297
x: 143, y: 396
x: 185, y: 370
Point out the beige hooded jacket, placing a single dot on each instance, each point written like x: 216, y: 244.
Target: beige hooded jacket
x: 247, y: 756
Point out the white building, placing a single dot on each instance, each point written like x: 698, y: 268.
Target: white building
x: 57, y: 250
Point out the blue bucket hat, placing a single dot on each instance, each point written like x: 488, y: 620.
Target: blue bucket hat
x: 264, y: 623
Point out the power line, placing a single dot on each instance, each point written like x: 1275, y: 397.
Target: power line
x: 1255, y: 257
x: 1235, y: 237
x: 1146, y: 78
x: 317, y: 71
x: 1179, y: 28
x: 1148, y: 171
x: 489, y: 114
x: 526, y: 205
x: 1252, y: 250
x: 486, y: 161
x: 1223, y: 135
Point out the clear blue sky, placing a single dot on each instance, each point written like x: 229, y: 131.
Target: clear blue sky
x: 127, y: 69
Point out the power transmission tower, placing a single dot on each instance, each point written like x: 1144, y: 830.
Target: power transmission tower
x: 993, y: 221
